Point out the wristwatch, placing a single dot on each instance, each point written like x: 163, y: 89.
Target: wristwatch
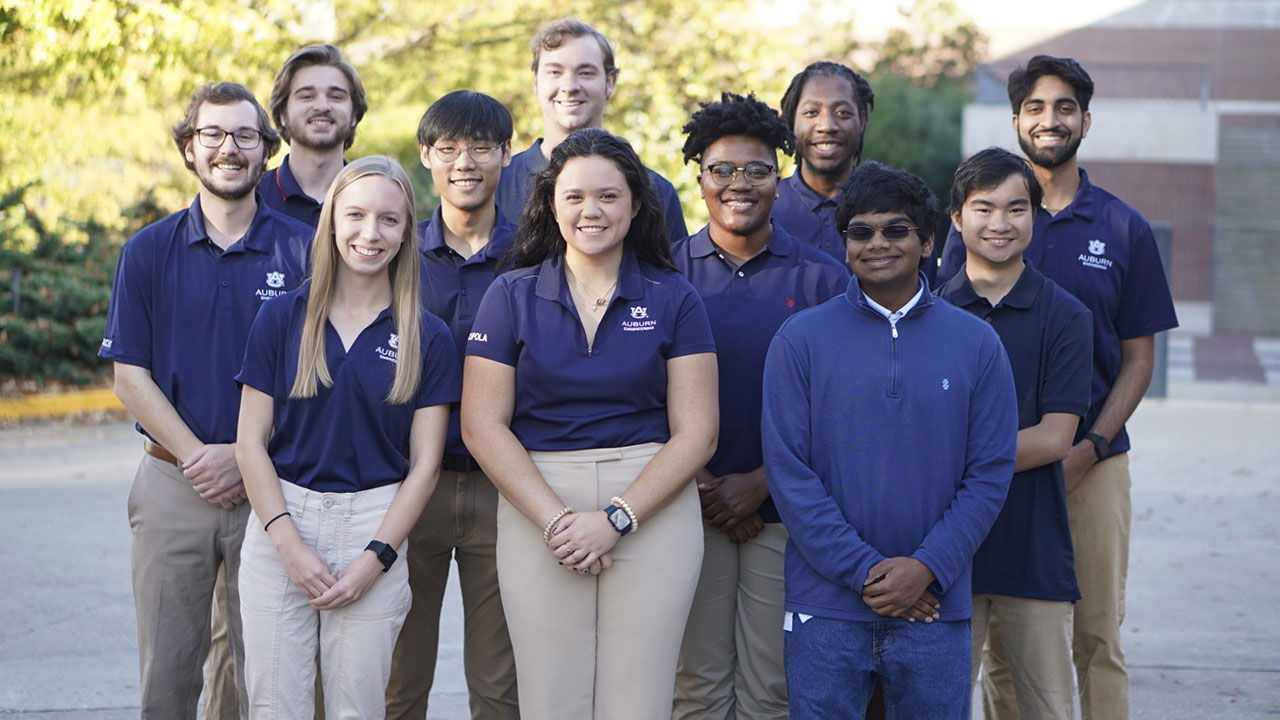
x: 1101, y: 447
x: 386, y: 554
x: 619, y: 518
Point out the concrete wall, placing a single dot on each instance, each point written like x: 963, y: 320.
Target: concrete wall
x: 1247, y: 218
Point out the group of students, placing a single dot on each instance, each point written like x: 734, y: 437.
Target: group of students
x: 620, y: 432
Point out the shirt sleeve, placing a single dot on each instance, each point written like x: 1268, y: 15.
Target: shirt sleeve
x: 493, y: 333
x: 952, y: 258
x: 828, y: 543
x: 671, y: 207
x: 1068, y: 369
x: 441, y: 381
x: 127, y: 335
x: 693, y: 327
x: 263, y: 351
x: 990, y: 454
x: 1146, y: 305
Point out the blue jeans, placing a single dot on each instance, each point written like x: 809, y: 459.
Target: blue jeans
x: 923, y: 668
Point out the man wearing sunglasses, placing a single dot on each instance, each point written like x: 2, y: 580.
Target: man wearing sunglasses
x: 1103, y: 252
x: 888, y: 462
x: 464, y: 139
x: 317, y: 101
x: 186, y: 291
x: 573, y: 78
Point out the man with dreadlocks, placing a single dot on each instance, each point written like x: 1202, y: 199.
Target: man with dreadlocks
x: 752, y: 276
x: 827, y: 106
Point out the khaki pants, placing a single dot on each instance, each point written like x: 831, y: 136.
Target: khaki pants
x: 221, y: 699
x: 1037, y: 634
x: 605, y: 647
x: 1100, y: 517
x: 731, y: 658
x: 282, y: 631
x: 460, y: 522
x: 179, y: 543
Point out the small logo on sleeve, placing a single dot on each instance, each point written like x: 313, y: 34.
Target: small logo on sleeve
x: 106, y: 343
x: 1095, y: 259
x: 275, y: 282
x: 389, y: 354
x: 639, y: 321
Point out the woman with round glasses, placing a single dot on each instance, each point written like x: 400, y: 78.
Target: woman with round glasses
x: 346, y: 393
x: 589, y: 400
x: 752, y: 276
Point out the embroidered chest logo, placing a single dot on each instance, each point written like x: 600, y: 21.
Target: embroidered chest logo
x: 639, y: 321
x: 1095, y: 259
x: 946, y: 384
x: 389, y: 354
x: 274, y: 281
x: 791, y: 303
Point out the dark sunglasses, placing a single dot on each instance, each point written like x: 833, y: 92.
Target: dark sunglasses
x: 863, y: 233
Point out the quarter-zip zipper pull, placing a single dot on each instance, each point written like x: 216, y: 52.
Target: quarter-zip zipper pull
x: 893, y: 325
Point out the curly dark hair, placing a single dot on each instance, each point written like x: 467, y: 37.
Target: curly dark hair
x: 538, y: 235
x: 735, y: 115
x: 863, y: 96
x: 877, y: 188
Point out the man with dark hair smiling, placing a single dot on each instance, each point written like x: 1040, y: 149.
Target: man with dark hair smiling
x: 888, y: 461
x: 464, y: 139
x: 1023, y: 572
x: 186, y: 291
x: 317, y: 101
x: 573, y: 78
x: 1101, y: 251
x: 827, y: 106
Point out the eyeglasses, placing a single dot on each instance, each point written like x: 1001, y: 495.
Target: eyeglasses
x: 723, y: 173
x: 213, y: 137
x: 863, y: 233
x: 479, y: 153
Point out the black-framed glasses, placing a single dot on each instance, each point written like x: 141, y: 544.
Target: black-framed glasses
x: 863, y: 233
x: 449, y: 152
x: 213, y: 137
x: 756, y: 173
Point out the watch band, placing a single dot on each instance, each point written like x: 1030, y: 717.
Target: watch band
x: 386, y: 554
x: 1101, y: 447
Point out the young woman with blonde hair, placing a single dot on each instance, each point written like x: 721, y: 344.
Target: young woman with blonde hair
x: 346, y: 393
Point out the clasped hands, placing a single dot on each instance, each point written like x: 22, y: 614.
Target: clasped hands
x: 899, y: 587
x: 581, y: 542
x: 730, y: 502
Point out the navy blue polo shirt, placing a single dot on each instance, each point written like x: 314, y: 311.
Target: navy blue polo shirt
x: 453, y: 286
x: 746, y: 305
x: 181, y: 307
x: 347, y: 438
x: 1048, y: 336
x: 1101, y: 251
x: 809, y: 216
x: 517, y: 182
x: 283, y: 193
x: 613, y: 393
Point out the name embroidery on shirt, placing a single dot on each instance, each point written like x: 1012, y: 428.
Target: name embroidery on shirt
x: 106, y: 343
x: 1095, y: 259
x: 478, y: 337
x: 389, y: 354
x: 639, y: 321
x: 275, y: 283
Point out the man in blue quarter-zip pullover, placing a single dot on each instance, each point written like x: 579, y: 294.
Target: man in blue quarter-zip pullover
x: 889, y: 429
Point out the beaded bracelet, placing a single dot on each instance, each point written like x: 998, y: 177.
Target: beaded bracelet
x: 635, y: 523
x: 551, y: 525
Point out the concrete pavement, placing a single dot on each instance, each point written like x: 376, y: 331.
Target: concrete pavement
x: 1202, y: 634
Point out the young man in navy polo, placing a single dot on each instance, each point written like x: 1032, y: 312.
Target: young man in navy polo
x: 827, y: 106
x: 464, y: 139
x: 1101, y: 251
x: 186, y: 291
x: 1024, y: 572
x: 888, y: 462
x: 317, y: 101
x: 573, y: 78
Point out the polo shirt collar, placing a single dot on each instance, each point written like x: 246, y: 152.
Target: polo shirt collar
x: 534, y: 160
x: 1082, y: 204
x: 286, y: 182
x: 255, y: 238
x: 812, y: 198
x: 552, y: 285
x: 779, y: 243
x: 1022, y: 295
x: 431, y: 236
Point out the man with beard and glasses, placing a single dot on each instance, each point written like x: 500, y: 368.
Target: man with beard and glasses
x: 1101, y: 251
x: 186, y: 291
x: 317, y: 101
x: 573, y: 78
